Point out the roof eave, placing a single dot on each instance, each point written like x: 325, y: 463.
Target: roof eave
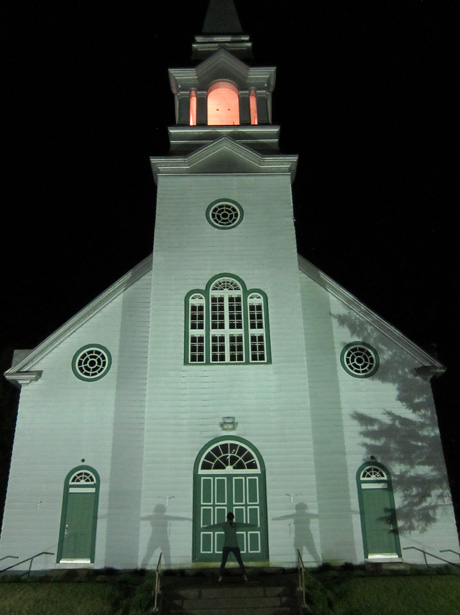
x: 429, y: 366
x: 22, y: 372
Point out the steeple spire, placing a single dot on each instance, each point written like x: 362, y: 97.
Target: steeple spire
x: 222, y: 18
x: 222, y: 29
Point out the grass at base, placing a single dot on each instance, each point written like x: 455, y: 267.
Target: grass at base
x: 395, y: 595
x: 60, y: 599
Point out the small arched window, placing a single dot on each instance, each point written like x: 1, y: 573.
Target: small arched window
x: 223, y: 104
x: 196, y: 326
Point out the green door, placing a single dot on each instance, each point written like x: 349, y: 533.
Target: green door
x: 378, y: 515
x: 79, y: 516
x: 229, y: 478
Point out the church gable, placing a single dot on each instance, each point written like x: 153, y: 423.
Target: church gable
x: 105, y: 317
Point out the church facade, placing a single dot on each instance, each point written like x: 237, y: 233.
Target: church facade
x: 225, y: 373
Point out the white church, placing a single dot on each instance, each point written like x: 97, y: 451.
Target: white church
x: 225, y: 373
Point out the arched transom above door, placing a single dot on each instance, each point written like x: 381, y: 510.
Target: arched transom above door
x: 229, y: 456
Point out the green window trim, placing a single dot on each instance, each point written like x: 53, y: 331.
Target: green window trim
x: 360, y: 359
x: 91, y: 362
x: 224, y: 214
x: 229, y: 327
x: 224, y: 439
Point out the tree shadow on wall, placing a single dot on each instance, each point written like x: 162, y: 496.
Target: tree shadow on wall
x: 408, y: 443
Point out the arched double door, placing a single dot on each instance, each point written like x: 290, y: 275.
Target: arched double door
x: 229, y: 476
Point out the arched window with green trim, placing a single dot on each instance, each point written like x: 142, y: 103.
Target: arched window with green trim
x: 226, y: 323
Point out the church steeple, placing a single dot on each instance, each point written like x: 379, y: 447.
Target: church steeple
x: 222, y: 29
x: 223, y: 95
x: 221, y: 18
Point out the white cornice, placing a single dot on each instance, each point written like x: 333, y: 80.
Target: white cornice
x: 21, y: 378
x: 229, y: 157
x: 192, y: 137
x: 222, y: 65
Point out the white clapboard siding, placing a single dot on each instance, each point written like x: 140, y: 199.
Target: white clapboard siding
x: 186, y: 403
x: 336, y: 397
x: 143, y: 424
x: 62, y: 420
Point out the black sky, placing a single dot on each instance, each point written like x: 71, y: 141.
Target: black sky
x: 366, y: 94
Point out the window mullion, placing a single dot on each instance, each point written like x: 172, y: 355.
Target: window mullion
x: 227, y: 327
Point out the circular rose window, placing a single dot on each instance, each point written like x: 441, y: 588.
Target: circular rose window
x: 224, y: 214
x: 359, y: 359
x: 91, y: 362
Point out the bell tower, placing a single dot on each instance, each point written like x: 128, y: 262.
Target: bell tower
x: 222, y: 95
x: 226, y: 328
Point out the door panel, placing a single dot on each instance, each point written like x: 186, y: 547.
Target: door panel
x: 223, y: 494
x: 78, y: 532
x: 378, y: 515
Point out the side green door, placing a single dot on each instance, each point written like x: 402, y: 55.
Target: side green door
x: 378, y: 515
x: 229, y: 478
x: 79, y: 517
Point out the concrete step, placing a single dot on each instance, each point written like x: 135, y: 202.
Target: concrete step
x: 240, y: 610
x: 261, y: 595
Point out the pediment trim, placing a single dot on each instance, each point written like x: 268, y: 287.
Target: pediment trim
x: 223, y: 156
x: 222, y: 66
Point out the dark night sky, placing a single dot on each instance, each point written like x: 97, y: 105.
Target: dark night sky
x: 366, y: 95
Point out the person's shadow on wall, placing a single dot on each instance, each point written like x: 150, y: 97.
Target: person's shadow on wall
x: 303, y: 538
x: 159, y: 538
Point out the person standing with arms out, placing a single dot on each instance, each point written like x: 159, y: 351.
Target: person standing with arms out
x: 230, y: 528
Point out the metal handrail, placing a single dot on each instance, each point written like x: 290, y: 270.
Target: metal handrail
x: 28, y: 559
x: 156, y: 588
x: 425, y: 553
x: 451, y: 550
x: 301, y: 575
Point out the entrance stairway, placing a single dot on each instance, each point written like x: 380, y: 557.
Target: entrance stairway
x: 267, y: 592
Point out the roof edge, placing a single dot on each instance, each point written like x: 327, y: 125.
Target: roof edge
x: 379, y: 323
x: 18, y: 373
